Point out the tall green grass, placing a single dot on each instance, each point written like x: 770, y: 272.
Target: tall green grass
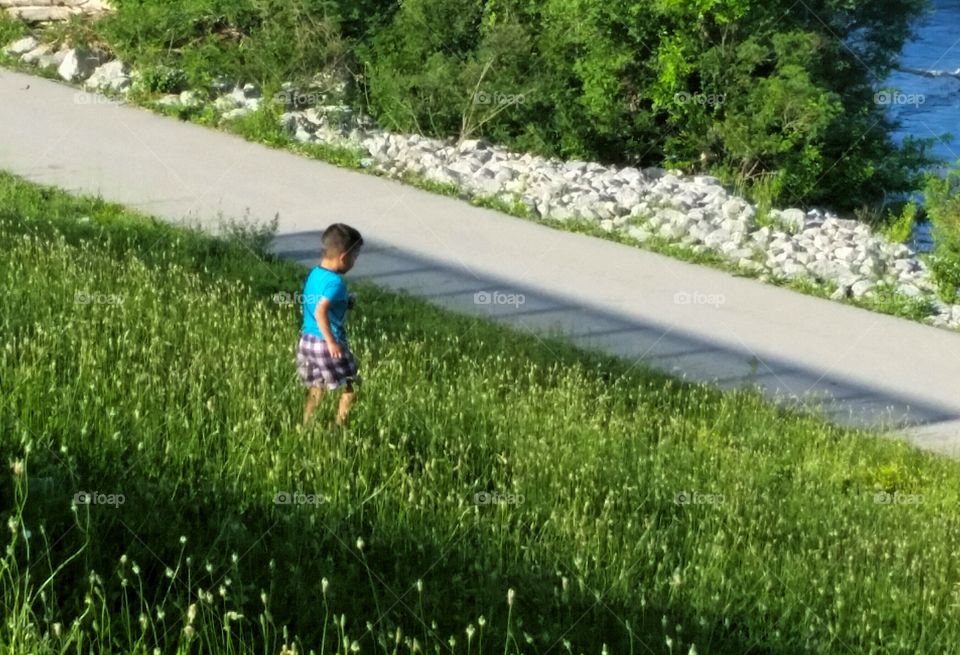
x: 495, y: 492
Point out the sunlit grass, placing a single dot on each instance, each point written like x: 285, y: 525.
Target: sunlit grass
x: 622, y: 508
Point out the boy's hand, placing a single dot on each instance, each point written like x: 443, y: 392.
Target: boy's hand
x: 335, y: 350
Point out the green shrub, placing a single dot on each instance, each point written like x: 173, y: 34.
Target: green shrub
x: 10, y: 28
x: 162, y: 79
x: 942, y: 202
x: 754, y: 91
x: 899, y: 225
x: 267, y: 41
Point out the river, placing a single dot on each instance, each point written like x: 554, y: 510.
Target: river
x: 928, y: 102
x: 927, y: 97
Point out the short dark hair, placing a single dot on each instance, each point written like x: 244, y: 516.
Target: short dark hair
x: 340, y: 238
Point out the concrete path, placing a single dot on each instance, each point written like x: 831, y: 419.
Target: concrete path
x: 860, y: 367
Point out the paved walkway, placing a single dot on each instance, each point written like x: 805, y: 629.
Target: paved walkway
x: 861, y: 367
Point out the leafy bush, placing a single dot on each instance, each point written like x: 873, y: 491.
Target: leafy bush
x: 754, y: 91
x: 267, y: 41
x: 162, y: 79
x: 10, y: 28
x: 899, y: 225
x: 942, y: 202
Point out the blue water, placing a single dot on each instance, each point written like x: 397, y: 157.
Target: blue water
x: 935, y: 48
x: 929, y: 107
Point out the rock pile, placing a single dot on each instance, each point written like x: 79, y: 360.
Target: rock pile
x: 696, y: 211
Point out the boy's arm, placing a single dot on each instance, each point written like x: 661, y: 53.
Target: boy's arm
x: 323, y: 322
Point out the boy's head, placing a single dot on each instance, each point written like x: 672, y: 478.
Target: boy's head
x: 341, y: 246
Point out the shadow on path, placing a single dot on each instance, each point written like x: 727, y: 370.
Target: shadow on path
x: 658, y: 346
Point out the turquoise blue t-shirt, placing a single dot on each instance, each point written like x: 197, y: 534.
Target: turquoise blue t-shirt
x: 324, y: 283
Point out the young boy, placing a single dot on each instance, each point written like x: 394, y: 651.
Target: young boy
x: 323, y: 356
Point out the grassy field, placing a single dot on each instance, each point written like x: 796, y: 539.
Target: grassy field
x: 495, y: 493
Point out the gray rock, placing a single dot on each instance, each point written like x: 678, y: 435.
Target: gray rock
x: 191, y: 98
x: 631, y: 175
x: 468, y: 146
x: 33, y: 56
x: 845, y: 254
x: 561, y: 213
x: 227, y: 103
x: 302, y: 135
x: 169, y: 100
x: 706, y: 180
x: 463, y: 167
x: 628, y: 198
x: 861, y: 288
x: 671, y: 231
x: 717, y: 238
x: 234, y: 114
x: 685, y: 201
x: 762, y: 236
x: 440, y: 175
x: 871, y: 267
x: 674, y: 216
x: 794, y: 270
x: 793, y: 218
x: 22, y: 46
x: 901, y: 250
x: 112, y: 76
x: 908, y: 265
x: 238, y: 96
x: 910, y: 290
x: 734, y: 207
x: 738, y: 253
x: 78, y: 64
x: 606, y: 209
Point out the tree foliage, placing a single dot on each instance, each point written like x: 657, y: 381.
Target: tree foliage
x: 776, y: 91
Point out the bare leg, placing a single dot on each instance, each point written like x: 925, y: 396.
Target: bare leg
x: 346, y: 402
x: 314, y: 394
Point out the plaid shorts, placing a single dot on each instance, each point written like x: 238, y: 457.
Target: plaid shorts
x: 317, y: 367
